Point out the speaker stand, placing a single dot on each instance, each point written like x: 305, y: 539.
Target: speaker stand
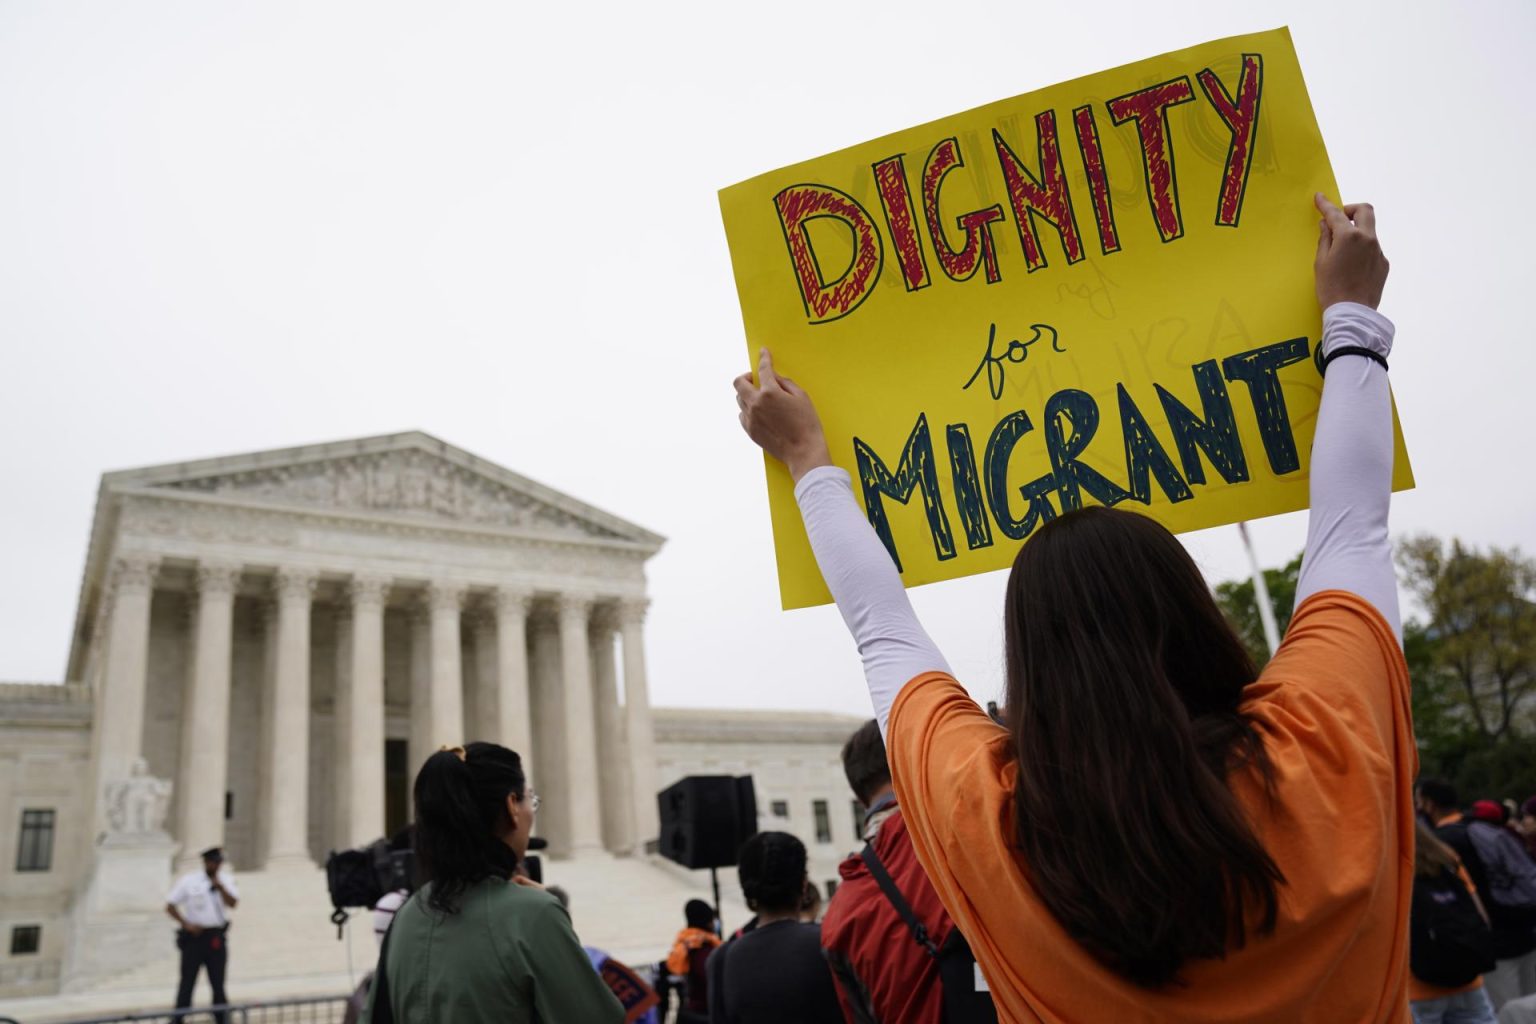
x: 714, y: 880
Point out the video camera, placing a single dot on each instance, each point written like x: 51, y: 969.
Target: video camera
x: 360, y: 878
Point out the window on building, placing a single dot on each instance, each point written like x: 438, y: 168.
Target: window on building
x: 34, y: 851
x: 25, y: 939
x: 229, y: 805
x: 831, y: 887
x: 780, y: 808
x: 858, y: 819
x: 823, y: 821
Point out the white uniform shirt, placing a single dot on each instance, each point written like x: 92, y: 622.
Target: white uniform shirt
x: 194, y: 895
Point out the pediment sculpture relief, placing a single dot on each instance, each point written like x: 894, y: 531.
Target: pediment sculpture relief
x: 407, y: 481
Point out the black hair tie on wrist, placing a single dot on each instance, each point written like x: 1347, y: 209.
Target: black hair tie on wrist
x: 1346, y: 350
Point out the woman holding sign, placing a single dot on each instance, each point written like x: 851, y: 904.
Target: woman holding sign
x: 1161, y: 833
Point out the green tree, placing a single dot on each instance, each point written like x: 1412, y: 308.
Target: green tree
x: 1472, y: 663
x: 1237, y: 602
x: 1479, y: 643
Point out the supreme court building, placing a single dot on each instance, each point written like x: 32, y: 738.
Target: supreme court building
x: 285, y: 635
x: 266, y: 646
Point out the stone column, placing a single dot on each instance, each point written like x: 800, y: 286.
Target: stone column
x: 287, y: 760
x: 419, y: 741
x: 514, y: 726
x: 267, y: 730
x: 483, y: 713
x: 341, y: 731
x: 204, y: 764
x: 447, y: 698
x: 639, y: 729
x: 120, y: 726
x: 547, y: 704
x: 365, y: 722
x: 580, y: 730
x: 613, y: 757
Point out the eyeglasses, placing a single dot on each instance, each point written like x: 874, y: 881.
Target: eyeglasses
x: 533, y: 801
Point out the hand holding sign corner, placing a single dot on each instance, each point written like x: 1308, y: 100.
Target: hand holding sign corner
x: 779, y: 416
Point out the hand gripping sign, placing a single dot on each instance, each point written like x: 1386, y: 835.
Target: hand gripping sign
x: 1098, y: 292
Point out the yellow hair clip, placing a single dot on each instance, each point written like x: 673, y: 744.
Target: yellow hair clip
x: 457, y: 751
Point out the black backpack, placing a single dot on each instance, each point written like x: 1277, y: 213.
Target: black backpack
x: 1449, y: 942
x: 958, y: 974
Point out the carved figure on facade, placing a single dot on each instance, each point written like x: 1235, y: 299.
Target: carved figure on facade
x: 403, y: 481
x: 137, y: 805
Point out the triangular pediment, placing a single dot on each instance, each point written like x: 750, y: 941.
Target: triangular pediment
x: 412, y: 475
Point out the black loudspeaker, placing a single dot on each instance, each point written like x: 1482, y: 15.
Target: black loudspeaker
x: 706, y: 818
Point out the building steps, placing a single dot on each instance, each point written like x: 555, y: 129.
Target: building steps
x: 282, y: 943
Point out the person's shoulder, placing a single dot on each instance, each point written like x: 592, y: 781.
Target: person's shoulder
x: 1347, y: 603
x: 1454, y: 833
x: 522, y: 910
x: 392, y: 901
x: 926, y: 690
x: 1333, y: 621
x: 716, y: 959
x: 782, y: 933
x: 525, y: 898
x: 804, y: 940
x: 893, y: 832
x: 1339, y: 653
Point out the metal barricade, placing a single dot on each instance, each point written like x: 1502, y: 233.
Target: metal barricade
x: 319, y: 1010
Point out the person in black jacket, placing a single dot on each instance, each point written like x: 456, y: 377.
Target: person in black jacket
x: 1514, y: 928
x: 775, y: 972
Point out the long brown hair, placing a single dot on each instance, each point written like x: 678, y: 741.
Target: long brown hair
x: 1124, y: 682
x: 1430, y: 855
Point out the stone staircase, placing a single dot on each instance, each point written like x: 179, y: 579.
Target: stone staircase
x: 632, y: 908
x: 282, y: 943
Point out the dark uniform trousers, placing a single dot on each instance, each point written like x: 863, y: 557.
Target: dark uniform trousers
x: 207, y: 949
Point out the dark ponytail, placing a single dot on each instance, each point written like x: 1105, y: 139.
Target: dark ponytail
x: 1125, y: 687
x: 461, y: 813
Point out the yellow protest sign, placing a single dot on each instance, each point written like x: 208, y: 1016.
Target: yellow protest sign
x: 1097, y: 292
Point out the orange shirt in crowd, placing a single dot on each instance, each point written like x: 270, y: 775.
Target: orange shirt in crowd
x: 1332, y: 707
x: 688, y: 940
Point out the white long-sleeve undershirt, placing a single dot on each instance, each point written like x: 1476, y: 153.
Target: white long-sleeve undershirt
x: 1347, y: 544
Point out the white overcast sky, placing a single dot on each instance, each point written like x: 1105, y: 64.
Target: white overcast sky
x: 236, y: 226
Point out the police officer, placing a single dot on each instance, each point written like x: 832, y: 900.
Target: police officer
x: 200, y: 902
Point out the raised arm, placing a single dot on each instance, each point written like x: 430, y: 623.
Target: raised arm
x: 1347, y: 543
x: 779, y: 416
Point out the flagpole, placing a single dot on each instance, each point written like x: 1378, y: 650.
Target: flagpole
x: 1261, y: 594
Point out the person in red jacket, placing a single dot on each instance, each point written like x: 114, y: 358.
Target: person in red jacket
x: 883, y: 973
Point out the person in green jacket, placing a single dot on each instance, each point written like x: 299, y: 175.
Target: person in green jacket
x: 476, y: 943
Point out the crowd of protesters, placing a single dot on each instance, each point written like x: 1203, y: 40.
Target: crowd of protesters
x: 886, y: 950
x: 1473, y: 919
x: 1151, y: 829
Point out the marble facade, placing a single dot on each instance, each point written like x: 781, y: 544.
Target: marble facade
x: 266, y: 646
x: 263, y: 627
